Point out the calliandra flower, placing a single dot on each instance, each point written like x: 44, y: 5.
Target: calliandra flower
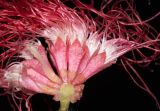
x: 72, y: 49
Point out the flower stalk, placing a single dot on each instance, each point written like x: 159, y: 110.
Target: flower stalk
x: 66, y: 92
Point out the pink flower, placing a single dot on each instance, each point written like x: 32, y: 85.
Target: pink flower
x: 76, y: 53
x: 76, y: 50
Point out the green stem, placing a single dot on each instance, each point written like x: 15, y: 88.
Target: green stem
x: 66, y: 92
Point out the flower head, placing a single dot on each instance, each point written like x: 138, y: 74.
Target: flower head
x: 75, y: 51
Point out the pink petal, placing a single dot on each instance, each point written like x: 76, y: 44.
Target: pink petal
x: 75, y: 55
x: 34, y: 81
x: 39, y: 78
x: 121, y: 46
x: 34, y: 64
x: 95, y: 64
x: 84, y: 60
x: 58, y: 52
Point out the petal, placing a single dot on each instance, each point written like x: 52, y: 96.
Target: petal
x: 95, y: 64
x: 39, y: 78
x: 34, y: 81
x: 108, y: 53
x: 85, y: 59
x: 34, y: 64
x: 39, y: 54
x: 58, y: 52
x: 37, y: 66
x: 116, y: 47
x: 75, y: 54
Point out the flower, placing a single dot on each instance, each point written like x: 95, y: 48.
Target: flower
x: 75, y: 49
x: 76, y: 53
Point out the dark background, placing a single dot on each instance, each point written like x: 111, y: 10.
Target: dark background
x: 111, y: 89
